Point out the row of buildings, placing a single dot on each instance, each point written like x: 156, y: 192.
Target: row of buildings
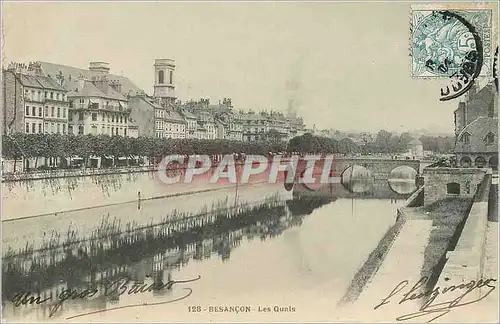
x: 42, y: 97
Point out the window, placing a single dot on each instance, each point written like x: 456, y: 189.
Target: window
x: 80, y: 116
x: 453, y: 188
x: 51, y: 95
x: 58, y: 128
x: 27, y: 128
x: 40, y: 128
x: 103, y: 130
x: 46, y: 95
x: 116, y: 130
x: 33, y: 111
x: 46, y: 111
x: 52, y: 112
x: 64, y: 128
x: 70, y: 115
x: 171, y: 77
x: 27, y: 110
x: 124, y: 132
x: 489, y: 138
x: 33, y: 128
x: 112, y: 131
x: 491, y: 108
x: 70, y: 129
x: 465, y: 161
x: 108, y: 118
x: 80, y: 130
x: 46, y: 126
x: 161, y: 77
x: 94, y: 117
x: 112, y: 118
x: 465, y: 138
x: 58, y: 96
x: 93, y: 130
x: 103, y: 119
x: 52, y: 128
x: 71, y: 104
x: 58, y: 112
x: 480, y: 161
x: 40, y: 112
x: 39, y: 96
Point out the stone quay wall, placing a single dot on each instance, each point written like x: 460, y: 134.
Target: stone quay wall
x: 437, y: 181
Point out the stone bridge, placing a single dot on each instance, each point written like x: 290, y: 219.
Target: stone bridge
x: 379, y: 168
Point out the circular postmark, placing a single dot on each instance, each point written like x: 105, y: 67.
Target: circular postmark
x: 441, y: 43
x: 463, y: 79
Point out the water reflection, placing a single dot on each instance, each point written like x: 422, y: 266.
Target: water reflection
x: 145, y: 255
x: 365, y: 189
x: 359, y: 180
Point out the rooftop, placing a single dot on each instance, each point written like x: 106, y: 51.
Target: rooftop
x: 69, y: 76
x: 85, y: 88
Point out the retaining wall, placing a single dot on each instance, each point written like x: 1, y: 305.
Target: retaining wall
x: 464, y: 263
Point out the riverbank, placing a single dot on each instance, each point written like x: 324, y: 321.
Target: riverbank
x: 55, y: 192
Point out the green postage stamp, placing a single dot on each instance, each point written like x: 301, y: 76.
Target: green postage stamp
x: 445, y: 36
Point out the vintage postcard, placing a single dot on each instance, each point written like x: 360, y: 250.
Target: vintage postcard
x: 249, y: 162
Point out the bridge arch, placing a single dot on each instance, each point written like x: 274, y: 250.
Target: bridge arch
x: 403, y: 180
x: 356, y: 178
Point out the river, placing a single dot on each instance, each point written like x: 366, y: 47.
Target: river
x: 263, y: 246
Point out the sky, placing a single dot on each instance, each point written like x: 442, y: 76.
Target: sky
x: 351, y: 59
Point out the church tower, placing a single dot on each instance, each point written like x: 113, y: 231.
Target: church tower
x: 164, y: 87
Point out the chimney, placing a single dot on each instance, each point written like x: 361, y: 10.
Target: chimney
x: 99, y: 67
x: 101, y: 82
x: 35, y: 68
x: 116, y: 85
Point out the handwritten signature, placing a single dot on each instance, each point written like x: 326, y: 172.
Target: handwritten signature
x: 439, y: 309
x: 119, y: 287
